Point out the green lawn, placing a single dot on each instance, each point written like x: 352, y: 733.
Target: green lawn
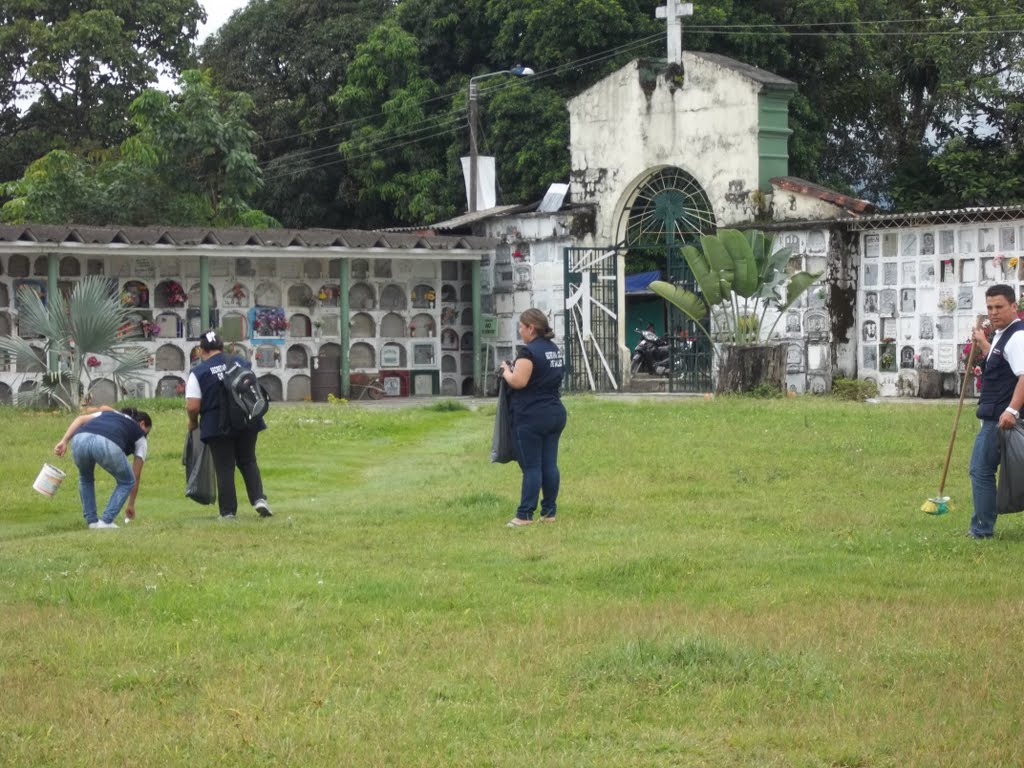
x: 732, y: 582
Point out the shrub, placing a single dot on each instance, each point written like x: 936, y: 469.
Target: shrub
x: 854, y: 389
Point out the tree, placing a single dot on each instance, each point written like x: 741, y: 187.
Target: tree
x: 68, y: 71
x: 896, y: 99
x: 884, y: 86
x: 75, y: 331
x: 396, y: 164
x: 189, y: 164
x: 291, y: 57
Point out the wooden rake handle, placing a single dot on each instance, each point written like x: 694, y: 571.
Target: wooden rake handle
x: 959, y: 408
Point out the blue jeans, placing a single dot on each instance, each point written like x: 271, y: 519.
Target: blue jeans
x: 89, y: 450
x: 536, y: 437
x: 984, y: 463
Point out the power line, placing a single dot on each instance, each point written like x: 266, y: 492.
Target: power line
x: 291, y: 172
x: 791, y: 30
x: 866, y: 22
x: 586, y: 60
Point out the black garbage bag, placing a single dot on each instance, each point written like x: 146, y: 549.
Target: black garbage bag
x: 502, y: 448
x: 200, y: 478
x: 1010, y: 491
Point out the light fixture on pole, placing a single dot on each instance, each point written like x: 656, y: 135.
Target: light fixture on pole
x: 518, y: 71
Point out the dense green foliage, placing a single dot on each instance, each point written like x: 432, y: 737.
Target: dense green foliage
x: 899, y: 102
x: 68, y: 71
x: 360, y: 105
x: 776, y: 600
x: 188, y: 163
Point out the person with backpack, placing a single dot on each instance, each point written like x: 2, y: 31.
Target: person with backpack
x: 106, y: 437
x: 229, y: 423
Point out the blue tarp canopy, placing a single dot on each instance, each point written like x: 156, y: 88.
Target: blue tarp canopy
x: 639, y: 282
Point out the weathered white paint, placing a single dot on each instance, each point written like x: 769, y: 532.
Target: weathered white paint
x: 708, y: 127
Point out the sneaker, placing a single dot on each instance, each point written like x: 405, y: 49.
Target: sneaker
x: 979, y: 536
x: 517, y: 522
x: 226, y: 518
x: 102, y: 524
x: 263, y: 508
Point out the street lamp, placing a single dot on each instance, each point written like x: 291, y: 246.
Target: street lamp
x: 518, y: 71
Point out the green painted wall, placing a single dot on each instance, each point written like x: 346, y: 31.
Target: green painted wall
x: 773, y: 136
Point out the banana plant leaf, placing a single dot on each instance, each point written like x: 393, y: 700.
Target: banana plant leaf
x: 690, y: 303
x: 799, y: 283
x: 703, y: 274
x: 745, y: 274
x: 720, y: 266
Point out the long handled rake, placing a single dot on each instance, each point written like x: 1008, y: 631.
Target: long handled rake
x: 939, y: 504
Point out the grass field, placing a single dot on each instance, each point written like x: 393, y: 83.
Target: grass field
x: 733, y: 582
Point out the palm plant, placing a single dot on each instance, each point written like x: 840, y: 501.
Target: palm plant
x: 89, y: 323
x: 740, y: 279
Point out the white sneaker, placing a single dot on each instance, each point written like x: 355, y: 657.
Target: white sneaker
x: 263, y: 508
x: 101, y: 524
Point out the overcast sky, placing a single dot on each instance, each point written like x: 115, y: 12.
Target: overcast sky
x: 217, y: 12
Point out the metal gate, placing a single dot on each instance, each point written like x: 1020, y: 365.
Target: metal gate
x: 692, y: 355
x: 592, y: 320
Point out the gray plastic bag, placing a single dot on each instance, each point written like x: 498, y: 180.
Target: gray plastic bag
x: 502, y: 448
x: 1010, y: 491
x: 200, y: 478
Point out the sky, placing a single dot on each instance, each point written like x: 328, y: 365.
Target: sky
x: 217, y: 12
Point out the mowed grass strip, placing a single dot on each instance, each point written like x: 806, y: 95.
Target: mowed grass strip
x: 731, y: 582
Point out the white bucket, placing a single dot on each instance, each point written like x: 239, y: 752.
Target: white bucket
x: 49, y: 480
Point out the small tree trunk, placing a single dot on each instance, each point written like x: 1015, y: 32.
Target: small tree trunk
x: 743, y: 368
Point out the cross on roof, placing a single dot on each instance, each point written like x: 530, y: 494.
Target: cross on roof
x: 672, y: 12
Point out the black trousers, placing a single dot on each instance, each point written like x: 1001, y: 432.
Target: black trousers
x: 231, y: 451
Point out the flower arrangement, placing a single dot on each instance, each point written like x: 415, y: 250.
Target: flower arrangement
x: 270, y: 322
x: 150, y: 329
x: 93, y: 361
x: 887, y: 361
x: 1008, y: 264
x: 174, y: 294
x: 947, y: 303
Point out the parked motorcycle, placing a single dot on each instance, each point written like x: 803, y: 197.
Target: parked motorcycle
x: 652, y: 354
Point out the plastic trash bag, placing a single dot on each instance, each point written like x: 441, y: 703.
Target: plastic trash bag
x: 502, y: 448
x: 200, y: 478
x: 1010, y: 491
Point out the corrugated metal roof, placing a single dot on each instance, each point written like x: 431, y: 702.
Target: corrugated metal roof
x: 233, y: 238
x: 950, y: 214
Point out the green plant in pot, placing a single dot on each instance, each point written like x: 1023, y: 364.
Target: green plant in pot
x: 741, y: 277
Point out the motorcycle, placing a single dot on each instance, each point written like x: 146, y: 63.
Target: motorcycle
x: 652, y: 354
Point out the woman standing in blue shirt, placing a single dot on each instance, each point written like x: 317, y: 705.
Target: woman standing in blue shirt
x: 538, y: 416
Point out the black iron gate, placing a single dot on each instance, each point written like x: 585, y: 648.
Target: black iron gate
x: 692, y: 354
x: 593, y: 320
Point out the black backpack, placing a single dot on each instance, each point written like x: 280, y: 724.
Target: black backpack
x: 243, y: 401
